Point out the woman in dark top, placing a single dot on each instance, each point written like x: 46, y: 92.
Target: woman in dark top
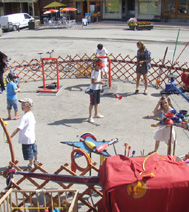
x: 143, y: 65
x: 3, y: 58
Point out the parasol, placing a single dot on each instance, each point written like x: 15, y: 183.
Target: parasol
x: 66, y: 9
x: 50, y: 11
x: 54, y: 5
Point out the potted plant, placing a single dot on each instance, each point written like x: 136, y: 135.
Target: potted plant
x: 144, y: 25
x: 132, y: 23
x: 139, y: 25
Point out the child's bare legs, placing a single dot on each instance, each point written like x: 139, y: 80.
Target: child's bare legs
x: 9, y: 114
x: 90, y: 110
x: 96, y: 109
x: 156, y: 146
x: 31, y: 163
x: 16, y: 114
x: 35, y: 160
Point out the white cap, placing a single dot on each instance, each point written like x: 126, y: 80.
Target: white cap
x: 27, y: 100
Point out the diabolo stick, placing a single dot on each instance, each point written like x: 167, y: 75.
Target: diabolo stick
x: 126, y: 145
x: 102, y: 147
x: 129, y: 149
x: 133, y: 153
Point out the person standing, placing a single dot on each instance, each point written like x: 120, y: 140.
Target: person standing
x: 95, y: 87
x: 3, y: 58
x: 163, y: 133
x: 26, y: 129
x: 143, y: 66
x: 101, y: 51
x: 95, y: 16
x: 12, y: 91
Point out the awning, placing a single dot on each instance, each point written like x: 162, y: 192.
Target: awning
x: 18, y: 1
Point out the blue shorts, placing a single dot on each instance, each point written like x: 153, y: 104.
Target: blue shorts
x: 94, y: 97
x: 12, y: 103
x: 29, y: 151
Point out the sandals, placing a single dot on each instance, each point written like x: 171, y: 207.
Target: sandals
x: 16, y: 118
x: 10, y: 117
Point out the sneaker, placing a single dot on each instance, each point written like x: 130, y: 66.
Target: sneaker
x: 36, y: 162
x: 30, y: 166
x: 136, y: 92
x: 99, y: 116
x: 2, y: 91
x: 145, y: 92
x: 91, y: 120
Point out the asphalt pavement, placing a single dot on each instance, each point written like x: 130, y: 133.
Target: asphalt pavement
x: 63, y: 117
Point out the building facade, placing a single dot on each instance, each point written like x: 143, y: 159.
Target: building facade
x: 107, y: 9
x: 17, y: 6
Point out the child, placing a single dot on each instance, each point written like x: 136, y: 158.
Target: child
x: 12, y: 91
x: 95, y: 87
x: 26, y: 129
x: 101, y: 51
x: 163, y: 134
x: 3, y: 59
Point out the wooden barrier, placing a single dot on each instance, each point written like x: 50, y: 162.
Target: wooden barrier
x: 17, y: 200
x: 122, y: 68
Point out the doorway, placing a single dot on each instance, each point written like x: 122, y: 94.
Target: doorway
x: 131, y: 8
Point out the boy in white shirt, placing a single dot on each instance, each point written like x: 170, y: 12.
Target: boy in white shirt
x: 101, y: 51
x: 26, y: 129
x: 95, y: 87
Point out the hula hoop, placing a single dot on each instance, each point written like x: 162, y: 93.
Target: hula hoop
x: 74, y: 165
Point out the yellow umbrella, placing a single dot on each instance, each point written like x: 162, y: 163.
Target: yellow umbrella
x: 54, y: 5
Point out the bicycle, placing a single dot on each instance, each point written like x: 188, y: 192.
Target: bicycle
x: 37, y: 66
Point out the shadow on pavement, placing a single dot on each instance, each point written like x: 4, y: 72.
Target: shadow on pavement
x: 77, y: 87
x: 68, y: 122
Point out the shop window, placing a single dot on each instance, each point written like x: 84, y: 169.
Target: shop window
x: 170, y: 6
x: 183, y: 6
x: 149, y: 7
x: 112, y: 6
x: 78, y: 6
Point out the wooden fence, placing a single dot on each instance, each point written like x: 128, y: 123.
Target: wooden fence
x: 122, y: 67
x: 37, y: 200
